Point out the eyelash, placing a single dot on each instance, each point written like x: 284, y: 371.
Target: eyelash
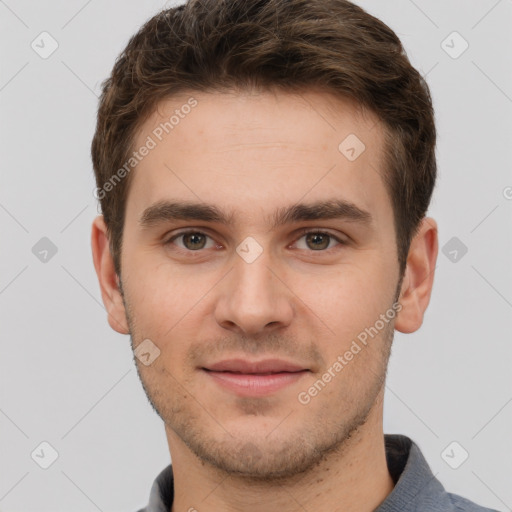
x: 303, y: 233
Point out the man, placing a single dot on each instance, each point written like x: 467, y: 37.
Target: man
x: 264, y: 169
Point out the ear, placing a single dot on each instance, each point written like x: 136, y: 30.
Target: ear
x: 419, y: 277
x: 107, y: 277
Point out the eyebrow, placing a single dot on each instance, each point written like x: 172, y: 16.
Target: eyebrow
x: 168, y: 211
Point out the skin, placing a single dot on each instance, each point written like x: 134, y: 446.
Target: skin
x: 296, y: 302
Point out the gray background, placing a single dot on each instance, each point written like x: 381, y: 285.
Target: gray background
x: 69, y: 380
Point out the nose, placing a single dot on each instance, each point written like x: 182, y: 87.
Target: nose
x: 253, y: 298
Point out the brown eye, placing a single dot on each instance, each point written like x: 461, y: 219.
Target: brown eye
x: 191, y: 241
x: 194, y: 241
x: 317, y: 241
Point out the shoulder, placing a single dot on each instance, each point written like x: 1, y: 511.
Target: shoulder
x: 416, y: 487
x: 461, y: 504
x: 161, y: 494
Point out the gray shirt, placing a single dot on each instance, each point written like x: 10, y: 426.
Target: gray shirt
x: 416, y: 488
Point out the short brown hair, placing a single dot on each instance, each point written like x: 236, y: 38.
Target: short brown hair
x: 290, y: 45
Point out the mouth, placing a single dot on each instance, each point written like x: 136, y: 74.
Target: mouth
x: 246, y: 378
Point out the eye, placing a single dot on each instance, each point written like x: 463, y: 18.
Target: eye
x: 318, y: 240
x: 192, y: 240
x: 195, y: 241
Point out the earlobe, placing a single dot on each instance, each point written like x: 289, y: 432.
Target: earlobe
x: 418, y: 280
x: 107, y: 277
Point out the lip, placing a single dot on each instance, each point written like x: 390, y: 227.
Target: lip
x: 265, y: 366
x: 246, y: 378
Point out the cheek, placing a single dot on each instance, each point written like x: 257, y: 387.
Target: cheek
x: 161, y: 290
x: 346, y: 300
x: 166, y: 304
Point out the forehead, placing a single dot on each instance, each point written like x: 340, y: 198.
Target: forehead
x: 251, y: 151
x: 271, y: 116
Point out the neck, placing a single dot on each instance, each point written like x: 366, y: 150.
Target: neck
x: 356, y: 476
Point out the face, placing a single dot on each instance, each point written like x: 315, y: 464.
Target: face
x: 259, y: 258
